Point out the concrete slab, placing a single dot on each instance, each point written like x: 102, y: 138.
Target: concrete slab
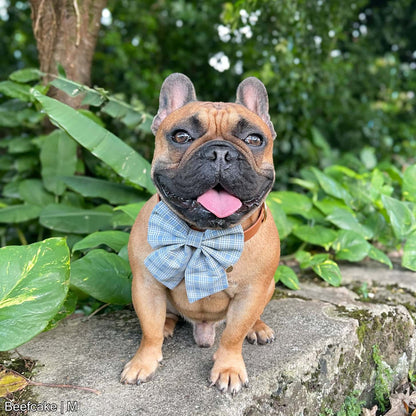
x: 322, y: 351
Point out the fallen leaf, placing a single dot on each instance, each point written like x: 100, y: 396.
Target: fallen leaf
x: 10, y: 381
x: 399, y: 406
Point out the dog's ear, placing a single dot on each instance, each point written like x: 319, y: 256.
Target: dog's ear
x: 253, y: 94
x: 177, y: 90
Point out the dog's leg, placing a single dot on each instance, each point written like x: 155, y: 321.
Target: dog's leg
x: 150, y: 305
x: 229, y: 371
x: 170, y: 324
x: 261, y: 333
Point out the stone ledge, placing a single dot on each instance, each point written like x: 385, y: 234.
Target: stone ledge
x: 322, y: 352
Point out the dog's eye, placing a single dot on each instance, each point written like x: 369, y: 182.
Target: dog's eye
x: 254, y: 140
x: 181, y: 137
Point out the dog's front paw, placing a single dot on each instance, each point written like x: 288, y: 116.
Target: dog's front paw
x: 260, y: 333
x: 138, y: 371
x: 229, y: 373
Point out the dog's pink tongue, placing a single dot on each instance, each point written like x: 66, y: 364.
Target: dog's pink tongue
x: 220, y: 203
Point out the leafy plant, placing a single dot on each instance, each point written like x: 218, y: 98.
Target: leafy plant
x: 51, y: 187
x: 383, y: 379
x: 343, y: 214
x: 84, y: 183
x: 351, y: 406
x: 34, y: 282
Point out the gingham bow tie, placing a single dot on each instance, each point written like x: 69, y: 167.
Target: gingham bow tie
x: 199, y: 257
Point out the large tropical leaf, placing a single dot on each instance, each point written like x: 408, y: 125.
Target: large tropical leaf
x: 58, y: 156
x: 103, y: 275
x: 115, y: 193
x: 34, y: 282
x: 70, y: 219
x: 113, y: 239
x: 99, y: 141
x: 401, y: 217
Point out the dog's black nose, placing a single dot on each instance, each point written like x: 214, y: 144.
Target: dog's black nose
x: 220, y: 152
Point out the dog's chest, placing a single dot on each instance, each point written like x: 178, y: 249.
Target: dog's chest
x: 210, y: 308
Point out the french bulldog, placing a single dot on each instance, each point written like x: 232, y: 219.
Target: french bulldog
x: 213, y: 168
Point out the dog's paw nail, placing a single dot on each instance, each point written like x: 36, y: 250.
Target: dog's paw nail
x: 246, y: 383
x: 138, y: 382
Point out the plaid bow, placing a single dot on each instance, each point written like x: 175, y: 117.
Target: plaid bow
x: 200, y: 257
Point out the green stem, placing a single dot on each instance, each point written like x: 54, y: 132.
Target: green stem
x: 22, y: 237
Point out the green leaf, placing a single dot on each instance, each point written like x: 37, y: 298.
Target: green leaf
x: 311, y: 186
x: 368, y: 157
x: 331, y: 186
x: 115, y: 193
x: 345, y: 220
x: 317, y: 235
x: 58, y: 157
x: 11, y: 190
x: 401, y: 218
x: 287, y: 276
x: 124, y: 253
x: 350, y: 246
x: 18, y: 145
x: 283, y: 225
x: 34, y: 282
x: 132, y: 210
x: 306, y: 259
x: 340, y: 172
x: 99, y: 141
x: 320, y: 142
x: 328, y: 204
x: 376, y: 223
x: 103, y: 275
x: 68, y: 308
x: 329, y: 271
x: 292, y: 202
x: 19, y: 213
x: 409, y: 253
x: 116, y: 108
x: 409, y: 183
x: 379, y: 256
x: 69, y: 219
x: 26, y: 75
x: 303, y: 258
x: 15, y: 90
x: 113, y: 239
x: 33, y: 193
x: 73, y: 89
x: 26, y: 117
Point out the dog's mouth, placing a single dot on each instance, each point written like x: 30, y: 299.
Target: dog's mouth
x: 216, y: 201
x: 220, y: 202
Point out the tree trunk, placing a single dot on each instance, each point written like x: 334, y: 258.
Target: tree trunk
x: 66, y: 32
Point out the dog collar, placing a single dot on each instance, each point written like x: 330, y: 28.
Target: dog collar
x: 250, y: 231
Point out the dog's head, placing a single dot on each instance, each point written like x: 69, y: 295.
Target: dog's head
x: 213, y: 161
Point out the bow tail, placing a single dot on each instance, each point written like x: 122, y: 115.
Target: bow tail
x: 168, y: 264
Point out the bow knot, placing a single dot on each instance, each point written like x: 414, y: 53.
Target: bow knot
x: 199, y: 257
x: 194, y: 238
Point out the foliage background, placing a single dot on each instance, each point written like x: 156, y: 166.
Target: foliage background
x: 348, y: 71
